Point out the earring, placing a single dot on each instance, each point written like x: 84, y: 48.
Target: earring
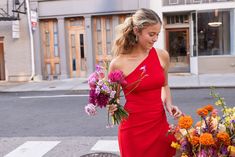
x: 136, y: 39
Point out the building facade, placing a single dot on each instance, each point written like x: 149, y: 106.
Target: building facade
x: 198, y: 34
x: 70, y: 36
x: 15, y: 54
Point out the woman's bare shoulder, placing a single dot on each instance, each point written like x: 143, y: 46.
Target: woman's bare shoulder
x: 115, y: 63
x: 163, y: 57
x: 162, y: 53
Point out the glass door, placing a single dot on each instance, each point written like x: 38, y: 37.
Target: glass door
x: 177, y: 44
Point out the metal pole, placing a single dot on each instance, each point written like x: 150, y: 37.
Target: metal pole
x: 31, y: 40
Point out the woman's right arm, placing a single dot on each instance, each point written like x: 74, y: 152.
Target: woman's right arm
x: 112, y: 107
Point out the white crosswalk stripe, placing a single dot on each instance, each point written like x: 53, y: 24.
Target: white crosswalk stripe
x: 106, y: 146
x: 52, y: 96
x: 33, y: 149
x: 57, y: 146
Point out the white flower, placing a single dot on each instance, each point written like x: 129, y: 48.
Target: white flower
x: 112, y: 94
x: 97, y: 90
x: 183, y: 132
x: 100, y: 83
x: 222, y: 128
x: 90, y: 109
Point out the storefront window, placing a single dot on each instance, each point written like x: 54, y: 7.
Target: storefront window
x: 213, y: 33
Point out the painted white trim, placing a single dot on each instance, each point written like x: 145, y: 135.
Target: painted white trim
x: 106, y: 146
x: 33, y: 149
x: 52, y: 96
x: 190, y: 7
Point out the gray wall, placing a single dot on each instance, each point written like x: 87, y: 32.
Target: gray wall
x: 16, y: 51
x: 216, y: 64
x: 75, y: 7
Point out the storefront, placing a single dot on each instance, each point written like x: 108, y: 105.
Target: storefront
x: 199, y: 35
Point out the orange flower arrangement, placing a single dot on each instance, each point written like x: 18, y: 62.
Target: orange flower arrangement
x: 223, y: 137
x: 212, y: 136
x: 209, y: 107
x: 185, y: 122
x: 194, y: 140
x: 203, y: 112
x: 206, y: 139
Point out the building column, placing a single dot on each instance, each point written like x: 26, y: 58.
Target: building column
x: 38, y: 55
x: 232, y: 30
x: 62, y: 47
x: 90, y: 56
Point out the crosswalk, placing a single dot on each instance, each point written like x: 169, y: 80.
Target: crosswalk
x: 45, y: 148
x: 106, y: 146
x: 33, y: 149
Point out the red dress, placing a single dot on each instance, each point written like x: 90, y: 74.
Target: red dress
x: 143, y: 134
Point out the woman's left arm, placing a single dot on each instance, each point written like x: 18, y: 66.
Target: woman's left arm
x: 166, y: 93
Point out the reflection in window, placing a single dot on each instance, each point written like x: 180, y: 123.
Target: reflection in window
x: 99, y: 35
x: 56, y: 48
x: 73, y: 48
x: 47, y: 35
x: 108, y: 35
x: 82, y: 46
x: 57, y: 69
x: 213, y: 33
x: 48, y: 66
x: 83, y: 61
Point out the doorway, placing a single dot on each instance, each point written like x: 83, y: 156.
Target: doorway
x: 2, y: 61
x: 50, y: 48
x: 77, y: 47
x: 177, y: 44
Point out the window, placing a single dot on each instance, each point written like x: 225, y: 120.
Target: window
x: 103, y: 35
x: 176, y: 19
x: 213, y: 33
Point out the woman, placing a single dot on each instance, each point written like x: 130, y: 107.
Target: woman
x: 143, y: 134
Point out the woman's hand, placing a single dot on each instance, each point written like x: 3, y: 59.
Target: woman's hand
x: 173, y: 110
x: 111, y: 108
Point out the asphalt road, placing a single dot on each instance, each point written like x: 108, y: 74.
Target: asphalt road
x: 60, y: 116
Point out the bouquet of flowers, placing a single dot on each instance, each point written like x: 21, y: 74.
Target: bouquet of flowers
x: 106, y: 90
x: 212, y: 136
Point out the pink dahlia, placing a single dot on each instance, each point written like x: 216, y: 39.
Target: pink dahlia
x: 92, y: 80
x: 117, y: 76
x: 102, y: 100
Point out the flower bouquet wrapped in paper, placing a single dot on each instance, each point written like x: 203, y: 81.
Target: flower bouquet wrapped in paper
x: 212, y: 136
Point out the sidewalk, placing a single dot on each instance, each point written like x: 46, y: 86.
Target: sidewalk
x: 179, y: 80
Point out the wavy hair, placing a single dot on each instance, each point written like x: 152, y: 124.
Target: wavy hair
x: 125, y: 36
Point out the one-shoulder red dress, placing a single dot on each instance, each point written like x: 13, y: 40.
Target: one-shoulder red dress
x: 144, y: 133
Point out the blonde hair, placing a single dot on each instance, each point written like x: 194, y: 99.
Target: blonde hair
x: 125, y: 36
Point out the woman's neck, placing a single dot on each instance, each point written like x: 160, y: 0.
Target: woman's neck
x: 139, y: 50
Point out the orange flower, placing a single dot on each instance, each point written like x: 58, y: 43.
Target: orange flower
x: 185, y: 122
x: 223, y: 137
x: 206, y: 139
x: 209, y: 107
x: 198, y: 124
x: 202, y: 112
x: 194, y: 140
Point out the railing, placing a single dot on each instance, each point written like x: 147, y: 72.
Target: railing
x: 185, y: 2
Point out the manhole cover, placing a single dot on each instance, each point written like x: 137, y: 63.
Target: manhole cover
x: 100, y: 155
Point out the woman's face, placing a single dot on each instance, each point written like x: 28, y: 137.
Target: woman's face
x: 148, y: 36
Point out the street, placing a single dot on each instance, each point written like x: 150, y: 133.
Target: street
x: 59, y: 116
